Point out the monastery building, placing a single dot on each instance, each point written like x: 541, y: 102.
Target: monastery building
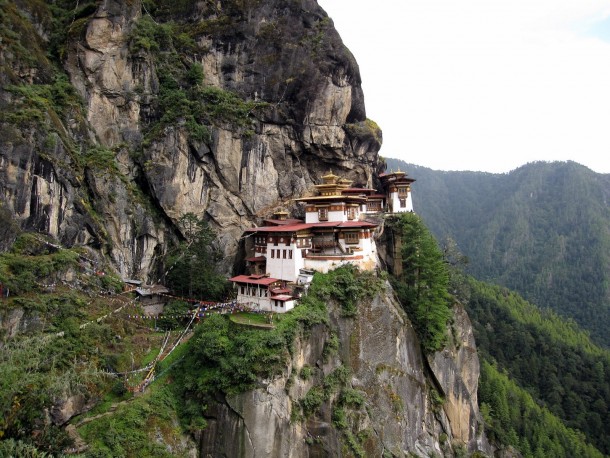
x: 338, y: 229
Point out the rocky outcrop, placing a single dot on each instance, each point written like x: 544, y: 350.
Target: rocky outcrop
x: 456, y: 370
x: 90, y: 173
x: 227, y: 110
x: 413, y: 405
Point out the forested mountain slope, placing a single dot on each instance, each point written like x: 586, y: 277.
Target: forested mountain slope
x: 118, y: 119
x: 553, y: 360
x: 542, y: 230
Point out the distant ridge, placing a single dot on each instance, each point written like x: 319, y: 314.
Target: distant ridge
x: 542, y: 229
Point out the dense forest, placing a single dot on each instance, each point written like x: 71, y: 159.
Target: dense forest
x: 548, y: 357
x: 545, y: 386
x: 542, y: 230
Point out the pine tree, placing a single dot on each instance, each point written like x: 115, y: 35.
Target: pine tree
x: 193, y: 265
x: 424, y: 280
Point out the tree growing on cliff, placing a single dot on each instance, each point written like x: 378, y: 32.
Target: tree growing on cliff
x: 192, y: 266
x: 422, y: 286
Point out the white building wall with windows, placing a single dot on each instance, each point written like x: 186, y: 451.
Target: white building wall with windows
x: 284, y: 261
x: 396, y: 204
x: 254, y: 297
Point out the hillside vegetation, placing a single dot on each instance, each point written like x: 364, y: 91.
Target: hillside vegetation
x: 564, y: 374
x: 545, y: 386
x: 542, y: 230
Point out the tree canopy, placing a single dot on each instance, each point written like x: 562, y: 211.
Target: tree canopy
x: 422, y: 286
x: 192, y: 265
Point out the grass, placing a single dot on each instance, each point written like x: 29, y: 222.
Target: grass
x: 254, y: 319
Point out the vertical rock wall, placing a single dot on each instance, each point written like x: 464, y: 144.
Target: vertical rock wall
x: 400, y: 416
x: 286, y: 55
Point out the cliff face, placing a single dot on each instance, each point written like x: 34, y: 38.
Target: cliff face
x: 118, y: 117
x: 226, y: 110
x: 403, y: 410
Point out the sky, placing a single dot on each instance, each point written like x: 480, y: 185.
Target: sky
x: 484, y: 85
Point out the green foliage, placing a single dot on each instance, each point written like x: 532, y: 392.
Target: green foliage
x: 514, y: 418
x: 347, y: 285
x: 331, y: 347
x: 36, y: 104
x: 111, y: 283
x: 19, y: 449
x: 150, y: 36
x: 100, y: 158
x: 174, y: 315
x: 20, y: 40
x: 541, y: 230
x: 130, y: 431
x: 36, y: 371
x: 193, y: 264
x: 195, y: 74
x: 306, y: 372
x: 31, y: 262
x: 352, y: 398
x: 364, y: 130
x: 551, y: 358
x: 422, y: 285
x: 312, y: 400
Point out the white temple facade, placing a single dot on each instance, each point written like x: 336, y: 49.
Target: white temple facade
x: 334, y: 232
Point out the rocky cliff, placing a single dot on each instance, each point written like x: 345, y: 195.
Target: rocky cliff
x: 407, y: 404
x: 119, y: 117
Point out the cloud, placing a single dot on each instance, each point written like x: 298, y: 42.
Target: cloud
x: 484, y: 85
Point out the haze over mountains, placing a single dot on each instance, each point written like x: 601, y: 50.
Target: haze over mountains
x: 542, y: 230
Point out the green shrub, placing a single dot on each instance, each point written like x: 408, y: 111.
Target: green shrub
x: 312, y: 401
x: 100, y: 158
x: 347, y: 285
x: 306, y: 372
x: 174, y: 315
x: 352, y: 398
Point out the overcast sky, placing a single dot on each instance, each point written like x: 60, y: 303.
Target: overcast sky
x: 484, y: 84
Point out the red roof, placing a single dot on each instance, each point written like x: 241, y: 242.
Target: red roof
x: 282, y: 297
x: 343, y: 224
x: 286, y: 228
x: 280, y: 290
x: 376, y: 196
x: 256, y: 259
x: 283, y: 222
x: 254, y: 280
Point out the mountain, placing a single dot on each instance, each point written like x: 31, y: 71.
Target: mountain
x: 550, y: 359
x: 542, y: 230
x: 118, y: 119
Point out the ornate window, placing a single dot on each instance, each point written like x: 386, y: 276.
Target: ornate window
x: 351, y: 213
x: 323, y: 214
x: 351, y: 238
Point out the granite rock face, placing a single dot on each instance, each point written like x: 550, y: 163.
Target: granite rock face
x: 122, y: 119
x: 401, y: 415
x: 91, y: 172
